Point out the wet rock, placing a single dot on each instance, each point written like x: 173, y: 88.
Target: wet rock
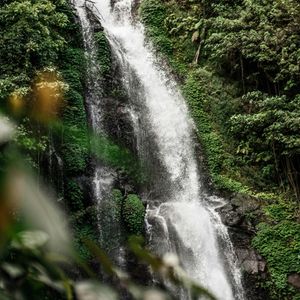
x: 244, y: 203
x: 250, y: 261
x: 241, y: 214
x: 237, y: 211
x: 254, y: 269
x: 294, y: 280
x: 230, y: 216
x: 93, y: 18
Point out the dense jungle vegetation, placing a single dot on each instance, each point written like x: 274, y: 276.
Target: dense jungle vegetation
x: 238, y: 64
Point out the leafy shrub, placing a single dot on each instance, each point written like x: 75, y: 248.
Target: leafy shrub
x: 74, y: 195
x: 134, y: 214
x: 82, y: 233
x: 75, y: 144
x: 104, y: 52
x: 269, y: 136
x: 153, y: 14
x: 279, y: 244
x: 75, y: 150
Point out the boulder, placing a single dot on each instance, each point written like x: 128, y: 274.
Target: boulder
x: 241, y: 214
x: 230, y: 216
x: 294, y: 280
x: 250, y: 261
x: 245, y: 203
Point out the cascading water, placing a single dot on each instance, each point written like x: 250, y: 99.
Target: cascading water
x: 102, y: 177
x: 180, y: 218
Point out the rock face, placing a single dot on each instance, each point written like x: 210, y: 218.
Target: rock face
x: 250, y: 261
x: 294, y: 280
x: 94, y: 20
x: 241, y: 214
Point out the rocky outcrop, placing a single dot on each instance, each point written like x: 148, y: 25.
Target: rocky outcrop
x: 250, y: 261
x: 241, y: 214
x: 294, y: 280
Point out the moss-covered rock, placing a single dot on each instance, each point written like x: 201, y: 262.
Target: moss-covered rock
x: 134, y: 214
x: 104, y: 53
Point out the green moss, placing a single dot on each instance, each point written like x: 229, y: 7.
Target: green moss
x: 134, y: 214
x: 104, y: 53
x: 153, y: 14
x: 73, y: 136
x: 117, y: 199
x: 280, y: 210
x: 75, y: 150
x: 278, y: 241
x: 75, y: 194
x: 75, y: 144
x: 119, y: 158
x: 197, y: 92
x: 82, y: 233
x: 74, y: 113
x: 279, y: 244
x: 83, y: 230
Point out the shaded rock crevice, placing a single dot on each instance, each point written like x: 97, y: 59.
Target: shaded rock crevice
x: 241, y: 214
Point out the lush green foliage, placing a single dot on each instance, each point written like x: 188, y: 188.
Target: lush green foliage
x: 269, y: 135
x: 84, y: 230
x: 118, y: 157
x: 154, y: 12
x: 38, y: 38
x: 197, y: 91
x: 134, y: 214
x: 75, y: 133
x: 74, y: 193
x: 253, y: 44
x: 279, y: 242
x: 238, y: 63
x: 31, y: 143
x: 104, y: 53
x: 30, y: 40
x: 35, y: 36
x: 259, y: 39
x: 211, y: 104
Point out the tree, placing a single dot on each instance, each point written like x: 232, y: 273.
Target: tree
x: 29, y: 40
x: 269, y: 135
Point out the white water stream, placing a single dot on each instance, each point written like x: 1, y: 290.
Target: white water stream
x: 182, y: 220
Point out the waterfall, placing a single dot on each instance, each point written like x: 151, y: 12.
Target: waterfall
x: 180, y: 217
x: 102, y: 181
